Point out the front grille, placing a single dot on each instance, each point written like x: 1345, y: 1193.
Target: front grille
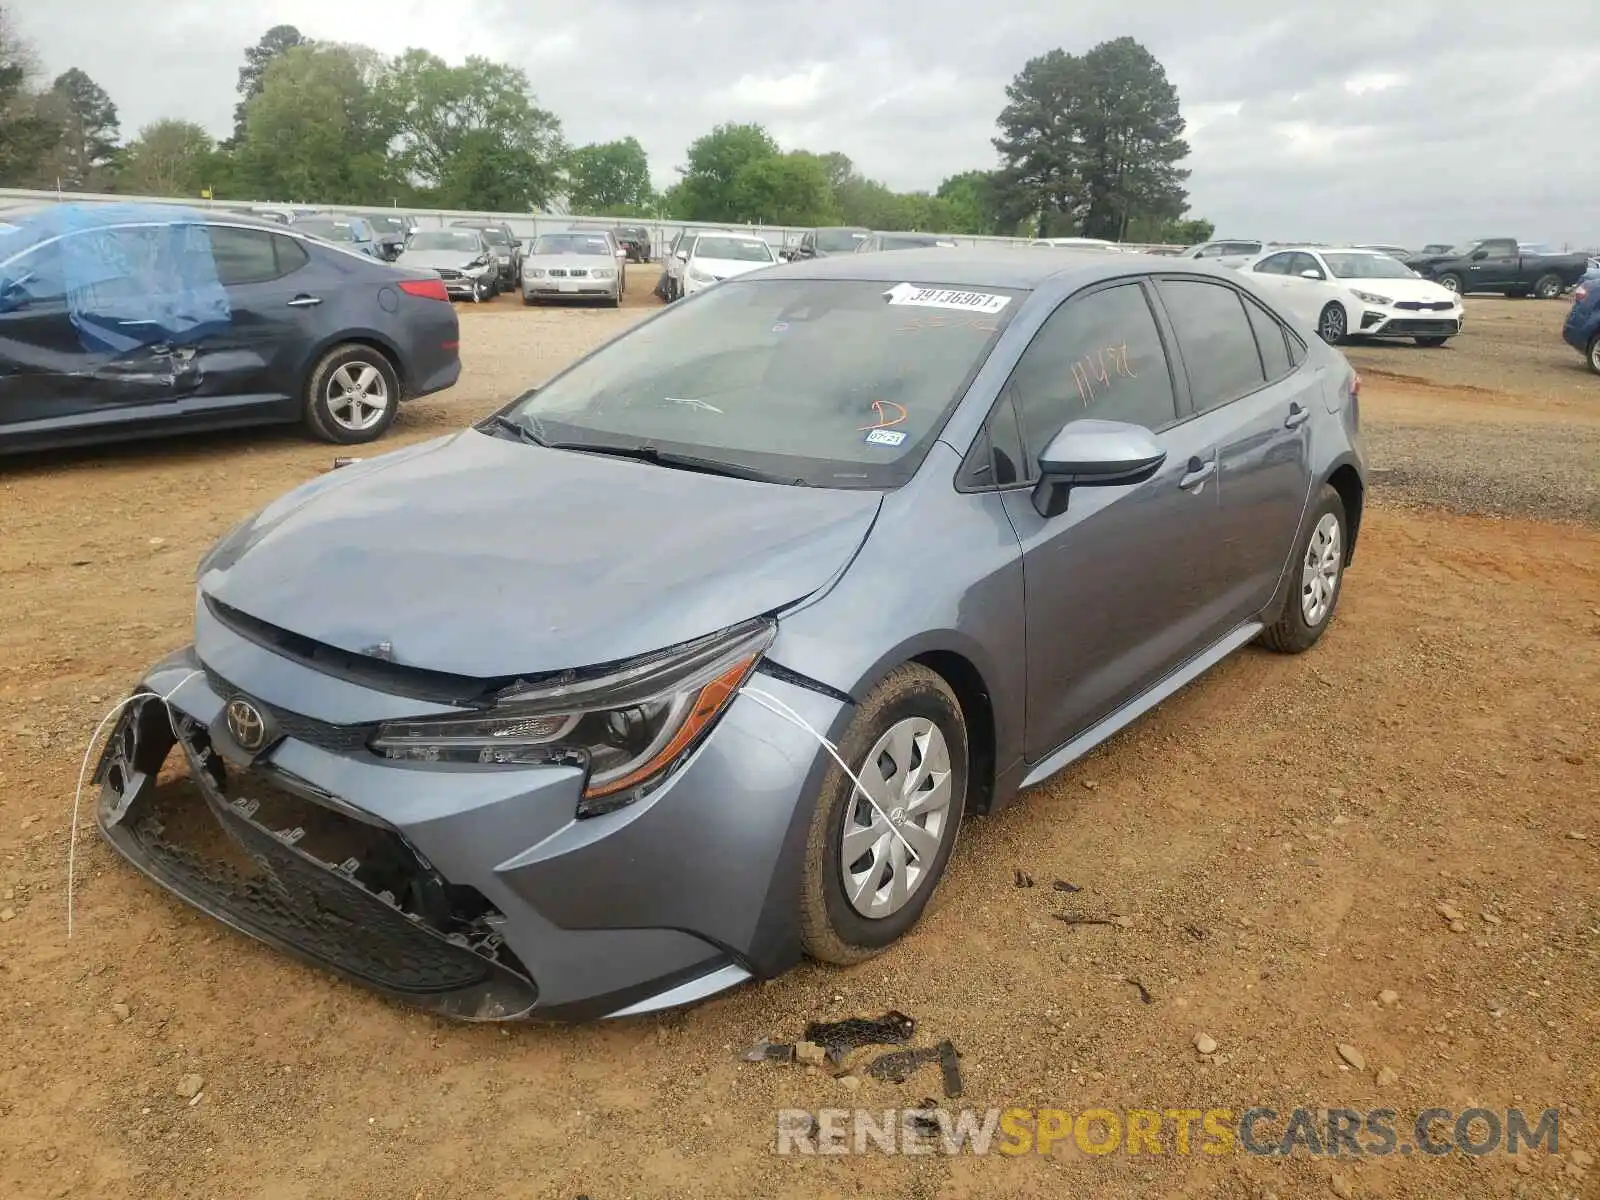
x: 1421, y: 327
x: 347, y: 894
x: 338, y: 739
x: 1426, y: 305
x: 568, y: 272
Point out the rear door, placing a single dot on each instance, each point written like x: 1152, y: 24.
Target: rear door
x: 1121, y: 587
x: 1246, y: 373
x: 279, y: 301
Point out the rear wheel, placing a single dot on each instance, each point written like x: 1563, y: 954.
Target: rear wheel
x: 1332, y: 326
x: 873, y: 864
x: 1450, y: 283
x: 1318, y: 577
x: 352, y: 395
x: 1548, y: 287
x: 1594, y: 354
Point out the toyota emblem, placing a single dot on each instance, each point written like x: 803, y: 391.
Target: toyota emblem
x: 247, y: 725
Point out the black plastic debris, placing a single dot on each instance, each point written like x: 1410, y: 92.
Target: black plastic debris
x: 1196, y: 932
x: 900, y: 1065
x: 1024, y: 880
x: 765, y: 1051
x: 1076, y: 919
x: 894, y: 1028
x: 1061, y: 885
x: 1144, y: 993
x: 922, y: 1122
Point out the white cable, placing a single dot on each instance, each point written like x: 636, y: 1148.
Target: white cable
x: 794, y: 718
x: 83, y: 771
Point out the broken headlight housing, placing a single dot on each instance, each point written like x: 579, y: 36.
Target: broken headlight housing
x: 627, y: 725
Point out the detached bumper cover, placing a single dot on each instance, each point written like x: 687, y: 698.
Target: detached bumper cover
x: 475, y: 893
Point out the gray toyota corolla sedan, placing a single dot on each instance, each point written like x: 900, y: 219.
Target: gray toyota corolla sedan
x: 692, y: 661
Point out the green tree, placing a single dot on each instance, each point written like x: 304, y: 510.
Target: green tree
x: 1170, y: 231
x: 473, y: 136
x: 252, y: 75
x: 27, y: 133
x: 168, y: 158
x: 707, y: 190
x: 607, y: 176
x: 87, y: 127
x: 319, y: 130
x: 1094, y: 141
x: 783, y: 189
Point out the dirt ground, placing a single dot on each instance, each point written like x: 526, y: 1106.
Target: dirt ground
x: 1279, y: 838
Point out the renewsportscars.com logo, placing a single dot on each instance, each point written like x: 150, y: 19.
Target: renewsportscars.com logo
x: 1260, y: 1131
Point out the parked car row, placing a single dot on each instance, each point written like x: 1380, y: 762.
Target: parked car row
x: 123, y: 320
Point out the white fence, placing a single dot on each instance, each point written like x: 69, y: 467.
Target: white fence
x: 525, y: 225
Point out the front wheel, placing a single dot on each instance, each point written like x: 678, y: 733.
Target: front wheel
x: 873, y: 862
x: 1314, y: 591
x: 480, y: 291
x: 352, y: 396
x: 1432, y: 342
x: 1548, y: 287
x: 1332, y: 325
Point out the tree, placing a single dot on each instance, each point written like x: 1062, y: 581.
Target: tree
x: 26, y: 132
x: 252, y: 75
x: 609, y: 175
x: 783, y: 189
x: 473, y: 136
x: 1094, y: 141
x: 168, y: 158
x: 86, y: 123
x: 706, y: 192
x: 1170, y: 231
x: 319, y: 129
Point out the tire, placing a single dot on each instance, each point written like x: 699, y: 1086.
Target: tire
x: 1333, y: 326
x: 1594, y: 354
x: 1432, y: 342
x: 1450, y: 283
x: 1548, y: 287
x: 528, y: 301
x: 1296, y: 631
x: 832, y: 928
x: 480, y: 291
x: 339, y: 371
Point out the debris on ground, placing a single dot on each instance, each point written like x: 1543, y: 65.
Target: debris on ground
x: 1061, y: 885
x: 838, y: 1038
x: 1144, y: 993
x: 810, y: 1052
x: 189, y: 1086
x: 1352, y: 1056
x: 899, y: 1065
x: 1024, y: 880
x: 1196, y: 932
x: 1079, y: 919
x: 1204, y: 1043
x: 765, y: 1051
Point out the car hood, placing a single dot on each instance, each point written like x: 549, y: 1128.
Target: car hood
x: 1400, y: 289
x: 727, y: 268
x: 479, y: 556
x: 434, y: 260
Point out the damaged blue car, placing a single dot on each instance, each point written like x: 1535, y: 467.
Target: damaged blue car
x: 125, y: 320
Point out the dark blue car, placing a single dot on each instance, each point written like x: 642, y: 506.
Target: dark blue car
x: 1582, y: 329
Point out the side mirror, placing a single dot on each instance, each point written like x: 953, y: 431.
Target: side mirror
x: 682, y: 256
x: 1091, y: 453
x: 1308, y: 273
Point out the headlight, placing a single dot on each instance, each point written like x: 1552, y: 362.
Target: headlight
x: 228, y: 548
x: 533, y: 272
x: 601, y: 273
x: 1371, y: 298
x: 628, y: 727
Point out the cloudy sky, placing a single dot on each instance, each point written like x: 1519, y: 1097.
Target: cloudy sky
x: 1423, y: 121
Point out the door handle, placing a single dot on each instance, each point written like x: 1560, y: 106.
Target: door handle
x: 1198, y: 473
x: 305, y: 302
x: 1297, y: 416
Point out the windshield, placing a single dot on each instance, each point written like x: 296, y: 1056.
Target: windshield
x: 733, y: 249
x: 333, y: 231
x: 1367, y: 266
x: 836, y: 240
x: 572, y: 243
x: 445, y: 239
x: 1464, y: 249
x: 821, y: 381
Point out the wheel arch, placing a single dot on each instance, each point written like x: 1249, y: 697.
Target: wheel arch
x: 369, y: 338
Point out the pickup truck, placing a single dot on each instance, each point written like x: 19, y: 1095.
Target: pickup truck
x: 1501, y: 265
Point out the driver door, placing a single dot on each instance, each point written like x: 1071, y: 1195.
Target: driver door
x: 1120, y: 588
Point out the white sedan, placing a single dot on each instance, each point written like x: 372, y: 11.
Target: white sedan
x: 1358, y: 293
x: 715, y: 257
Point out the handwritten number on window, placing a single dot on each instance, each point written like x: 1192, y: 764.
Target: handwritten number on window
x: 1095, y: 372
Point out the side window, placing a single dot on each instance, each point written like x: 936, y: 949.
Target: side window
x: 1304, y: 262
x: 1219, y: 349
x: 243, y: 255
x: 997, y: 457
x: 1272, y: 339
x: 33, y: 280
x: 1277, y: 264
x: 1209, y: 250
x: 1098, y: 355
x: 291, y: 254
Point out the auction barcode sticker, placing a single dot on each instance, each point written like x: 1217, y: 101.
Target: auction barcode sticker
x: 956, y: 298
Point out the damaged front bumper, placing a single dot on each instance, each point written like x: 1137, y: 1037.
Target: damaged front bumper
x: 476, y: 894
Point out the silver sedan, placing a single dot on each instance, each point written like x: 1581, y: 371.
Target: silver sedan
x: 585, y: 265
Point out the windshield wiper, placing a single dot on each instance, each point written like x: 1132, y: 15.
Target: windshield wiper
x: 522, y: 432
x: 685, y: 462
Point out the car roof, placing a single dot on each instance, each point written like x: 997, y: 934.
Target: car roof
x: 978, y: 266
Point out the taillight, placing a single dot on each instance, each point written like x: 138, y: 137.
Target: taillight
x: 427, y: 289
x: 1582, y: 294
